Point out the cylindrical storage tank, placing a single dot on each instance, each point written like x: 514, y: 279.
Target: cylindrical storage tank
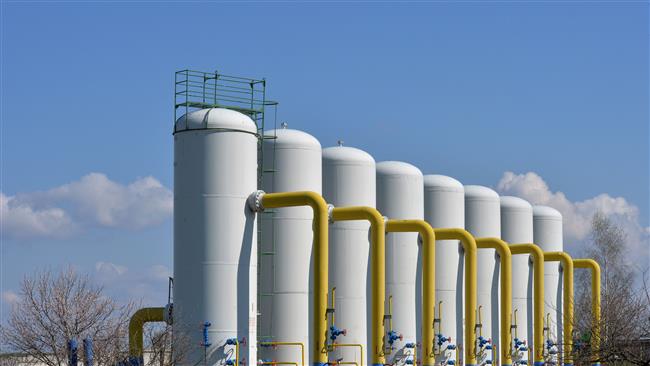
x: 292, y: 162
x: 400, y: 196
x: 444, y: 207
x: 517, y: 228
x: 483, y: 219
x: 349, y: 180
x: 547, y: 234
x: 215, y: 245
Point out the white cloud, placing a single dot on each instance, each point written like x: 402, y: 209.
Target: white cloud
x: 577, y: 215
x: 10, y: 297
x: 94, y: 200
x: 148, y: 284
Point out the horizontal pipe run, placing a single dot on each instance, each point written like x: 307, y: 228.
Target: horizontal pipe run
x: 261, y: 200
x: 595, y: 304
x: 136, y: 324
x: 505, y: 256
x: 567, y: 301
x: 377, y: 268
x: 428, y: 280
x: 469, y: 247
x: 538, y: 296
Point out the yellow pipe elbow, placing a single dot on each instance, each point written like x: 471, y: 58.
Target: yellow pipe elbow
x: 428, y: 281
x: 377, y: 267
x: 506, y: 292
x: 567, y: 300
x: 538, y: 289
x: 469, y: 246
x: 321, y: 258
x: 139, y: 318
x: 595, y: 302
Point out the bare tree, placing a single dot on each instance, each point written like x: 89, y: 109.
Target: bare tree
x: 625, y: 308
x: 165, y: 348
x: 56, y: 307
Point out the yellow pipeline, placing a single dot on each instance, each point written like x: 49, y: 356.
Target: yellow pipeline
x: 321, y: 256
x: 377, y: 267
x: 469, y: 246
x: 595, y: 302
x: 139, y: 318
x: 299, y: 344
x: 567, y: 300
x: 334, y: 345
x: 506, y: 292
x: 538, y: 296
x: 428, y: 281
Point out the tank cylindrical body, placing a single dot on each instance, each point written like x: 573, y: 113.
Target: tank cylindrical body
x: 517, y: 228
x: 483, y: 219
x: 349, y: 180
x: 400, y: 196
x: 547, y: 234
x: 444, y: 207
x: 292, y: 162
x: 215, y: 250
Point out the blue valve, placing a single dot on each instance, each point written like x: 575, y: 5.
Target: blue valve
x: 408, y: 362
x: 410, y: 345
x: 442, y: 339
x: 451, y: 346
x: 206, y: 339
x: 393, y: 336
x: 335, y: 332
x: 523, y: 362
x: 523, y: 348
x: 451, y: 362
x: 230, y: 362
x: 231, y: 341
x: 488, y: 362
x: 488, y: 347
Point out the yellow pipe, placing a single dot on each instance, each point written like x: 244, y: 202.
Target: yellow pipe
x: 469, y: 246
x: 377, y: 267
x: 595, y: 302
x: 347, y: 363
x: 321, y: 258
x: 505, y: 256
x: 567, y: 300
x: 428, y: 281
x: 236, y: 352
x: 351, y: 345
x: 279, y: 363
x: 139, y: 318
x: 538, y: 296
x: 299, y: 344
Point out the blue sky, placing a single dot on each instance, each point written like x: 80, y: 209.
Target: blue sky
x: 470, y: 90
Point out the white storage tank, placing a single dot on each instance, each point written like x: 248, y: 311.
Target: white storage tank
x: 292, y: 162
x: 483, y: 219
x: 400, y: 196
x: 517, y: 228
x: 215, y: 249
x: 349, y: 180
x: 444, y: 207
x: 547, y: 230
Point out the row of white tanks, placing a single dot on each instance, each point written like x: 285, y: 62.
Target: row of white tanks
x: 215, y: 248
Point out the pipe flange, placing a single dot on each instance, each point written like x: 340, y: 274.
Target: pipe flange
x: 330, y: 213
x: 255, y: 201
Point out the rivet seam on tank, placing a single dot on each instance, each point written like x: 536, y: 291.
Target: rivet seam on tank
x: 255, y: 201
